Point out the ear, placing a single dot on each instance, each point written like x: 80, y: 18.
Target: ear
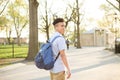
x: 55, y: 27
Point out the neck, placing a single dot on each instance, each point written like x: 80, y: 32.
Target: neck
x: 59, y: 32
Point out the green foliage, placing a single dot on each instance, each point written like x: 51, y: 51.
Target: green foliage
x: 18, y: 11
x: 109, y: 19
x: 19, y: 51
x: 2, y: 1
x: 106, y: 8
x: 18, y: 14
x: 3, y: 21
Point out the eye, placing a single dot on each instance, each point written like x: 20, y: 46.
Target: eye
x: 62, y: 25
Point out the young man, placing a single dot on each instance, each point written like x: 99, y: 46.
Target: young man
x: 59, y: 46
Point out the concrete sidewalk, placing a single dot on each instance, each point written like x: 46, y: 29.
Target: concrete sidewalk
x: 88, y: 63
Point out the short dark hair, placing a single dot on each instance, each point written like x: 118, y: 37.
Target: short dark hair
x: 58, y: 20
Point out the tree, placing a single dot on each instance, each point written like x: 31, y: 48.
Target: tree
x: 4, y: 21
x: 105, y: 22
x: 69, y: 13
x: 110, y: 19
x: 19, y: 20
x: 115, y: 5
x: 8, y: 34
x: 46, y: 18
x: 33, y: 29
x: 5, y: 26
x: 3, y: 4
x: 77, y: 18
x: 73, y: 14
x: 78, y: 23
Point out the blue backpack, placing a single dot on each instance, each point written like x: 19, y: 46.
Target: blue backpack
x: 44, y: 58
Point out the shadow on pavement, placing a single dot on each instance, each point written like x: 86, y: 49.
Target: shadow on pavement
x: 105, y: 62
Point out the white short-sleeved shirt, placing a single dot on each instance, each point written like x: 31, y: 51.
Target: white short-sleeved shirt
x: 58, y: 45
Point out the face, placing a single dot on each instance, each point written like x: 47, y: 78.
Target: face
x: 60, y: 27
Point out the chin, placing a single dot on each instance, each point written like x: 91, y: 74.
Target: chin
x: 62, y: 33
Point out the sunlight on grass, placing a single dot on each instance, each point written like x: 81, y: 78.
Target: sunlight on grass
x: 19, y: 51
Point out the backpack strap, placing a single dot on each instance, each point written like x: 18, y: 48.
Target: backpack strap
x: 52, y: 42
x: 57, y: 56
x: 55, y: 38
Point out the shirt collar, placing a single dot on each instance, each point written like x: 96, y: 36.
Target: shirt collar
x: 57, y: 33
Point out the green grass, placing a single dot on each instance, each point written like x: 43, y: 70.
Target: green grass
x: 19, y: 51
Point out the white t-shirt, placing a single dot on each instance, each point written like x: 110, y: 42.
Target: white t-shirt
x: 58, y: 45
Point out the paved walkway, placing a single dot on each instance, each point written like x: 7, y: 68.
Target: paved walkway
x: 89, y: 63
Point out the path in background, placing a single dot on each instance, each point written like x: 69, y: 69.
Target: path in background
x: 88, y: 63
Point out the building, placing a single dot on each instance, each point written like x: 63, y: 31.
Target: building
x: 5, y: 41
x: 4, y: 34
x: 97, y: 37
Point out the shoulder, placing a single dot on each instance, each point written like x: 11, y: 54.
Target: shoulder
x: 60, y: 39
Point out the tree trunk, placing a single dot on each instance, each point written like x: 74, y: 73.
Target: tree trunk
x: 18, y: 40
x: 78, y: 36
x: 116, y: 7
x: 4, y: 7
x: 8, y: 39
x: 78, y: 23
x: 33, y: 31
x: 47, y: 33
x: 8, y: 34
x: 75, y: 36
x: 47, y: 26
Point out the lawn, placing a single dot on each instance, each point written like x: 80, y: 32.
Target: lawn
x: 6, y: 51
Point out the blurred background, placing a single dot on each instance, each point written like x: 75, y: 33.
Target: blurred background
x: 26, y: 24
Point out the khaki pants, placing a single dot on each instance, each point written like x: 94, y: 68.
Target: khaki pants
x: 57, y: 76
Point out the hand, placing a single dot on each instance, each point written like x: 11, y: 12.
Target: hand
x: 68, y: 74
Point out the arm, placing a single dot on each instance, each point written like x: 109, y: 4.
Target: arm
x: 64, y: 59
